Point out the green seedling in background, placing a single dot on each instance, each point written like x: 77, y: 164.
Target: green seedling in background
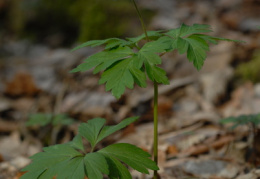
x: 72, y: 161
x: 252, y: 121
x: 249, y: 120
x: 56, y: 121
x: 123, y: 63
x: 43, y: 119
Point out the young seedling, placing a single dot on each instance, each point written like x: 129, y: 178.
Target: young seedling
x: 123, y: 63
x: 252, y: 121
x: 43, y: 119
x: 56, y: 121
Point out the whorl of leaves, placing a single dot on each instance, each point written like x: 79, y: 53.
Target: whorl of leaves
x: 69, y: 161
x: 123, y: 67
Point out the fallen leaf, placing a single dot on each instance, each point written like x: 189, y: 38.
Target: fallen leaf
x: 21, y: 84
x: 172, y: 150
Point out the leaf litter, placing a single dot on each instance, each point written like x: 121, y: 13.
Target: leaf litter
x: 188, y: 137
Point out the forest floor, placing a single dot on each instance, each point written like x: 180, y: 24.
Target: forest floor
x: 193, y: 143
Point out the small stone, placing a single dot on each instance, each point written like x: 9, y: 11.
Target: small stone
x: 209, y: 168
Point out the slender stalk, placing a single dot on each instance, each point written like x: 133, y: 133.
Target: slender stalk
x: 155, y: 118
x: 141, y: 19
x: 155, y: 107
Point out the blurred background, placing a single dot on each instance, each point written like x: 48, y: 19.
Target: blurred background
x: 41, y: 103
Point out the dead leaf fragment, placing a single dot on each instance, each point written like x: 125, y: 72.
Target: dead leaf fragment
x: 21, y: 84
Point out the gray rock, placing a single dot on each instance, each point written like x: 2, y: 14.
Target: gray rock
x: 19, y: 48
x: 249, y: 24
x: 210, y: 168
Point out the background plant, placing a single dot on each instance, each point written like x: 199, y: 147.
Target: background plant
x: 53, y: 124
x: 252, y: 121
x: 249, y: 120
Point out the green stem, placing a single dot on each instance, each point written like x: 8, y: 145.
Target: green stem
x: 155, y: 118
x: 141, y: 19
x: 155, y: 107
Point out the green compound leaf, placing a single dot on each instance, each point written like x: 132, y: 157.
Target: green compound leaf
x: 64, y: 161
x: 96, y: 131
x: 77, y: 143
x: 156, y: 74
x: 130, y: 155
x: 121, y: 75
x: 96, y: 164
x: 157, y: 46
x: 103, y: 59
x: 139, y: 77
x: 190, y: 40
x: 93, y: 128
x: 111, y: 43
x: 196, y: 51
x: 48, y: 164
x: 185, y: 30
x: 147, y: 56
x: 117, y: 169
x: 71, y: 169
x: 214, y: 40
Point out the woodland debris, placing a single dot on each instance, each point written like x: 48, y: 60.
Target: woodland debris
x: 22, y: 84
x: 8, y: 126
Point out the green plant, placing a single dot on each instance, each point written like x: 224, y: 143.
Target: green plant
x: 55, y: 123
x: 250, y: 120
x: 125, y: 63
x: 43, y: 119
x: 72, y: 161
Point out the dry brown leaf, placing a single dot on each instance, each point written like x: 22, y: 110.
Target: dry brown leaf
x: 172, y: 150
x: 6, y: 126
x: 21, y: 84
x: 202, y: 148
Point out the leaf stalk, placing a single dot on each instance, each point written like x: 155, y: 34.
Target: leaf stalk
x: 155, y: 118
x: 141, y: 20
x: 155, y: 107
